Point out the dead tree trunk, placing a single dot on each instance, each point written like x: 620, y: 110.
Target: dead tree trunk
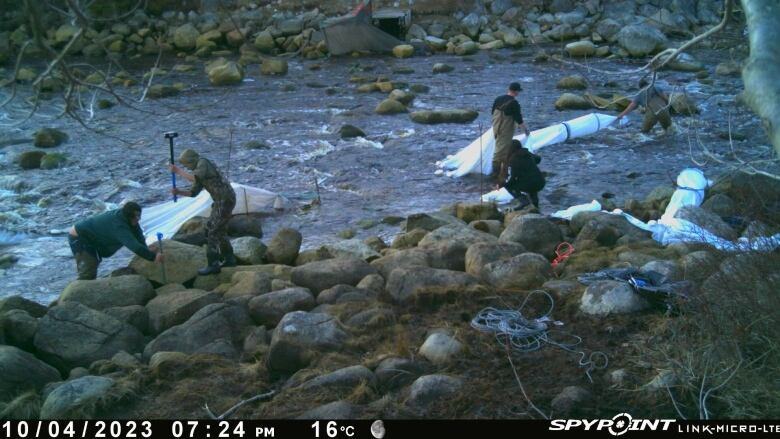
x: 762, y: 88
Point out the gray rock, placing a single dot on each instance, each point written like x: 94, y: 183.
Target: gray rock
x: 608, y: 29
x: 224, y: 73
x: 292, y: 26
x: 333, y: 410
x: 721, y: 205
x: 401, y: 259
x: 72, y: 334
x: 569, y: 399
x: 482, y: 253
x: 581, y: 49
x: 373, y: 318
x: 641, y: 39
x: 610, y: 297
x: 249, y: 250
x: 215, y: 325
x: 348, y: 131
x: 429, y: 389
x: 561, y: 288
x: 342, y: 294
x: 444, y: 116
x: 125, y: 360
x: 35, y: 309
x: 524, y: 271
x: 284, y: 247
x: 442, y: 68
x: 248, y: 283
x: 455, y: 234
x: 352, y: 248
x: 707, y: 220
x: 493, y: 227
x: 77, y: 398
x: 256, y: 340
x: 313, y: 255
x: 430, y: 221
x: 341, y: 382
x: 169, y: 310
x: 670, y: 271
x: 393, y: 373
x: 300, y: 336
x: 471, y: 24
x: 264, y: 42
x: 134, y: 315
x: 19, y: 328
x: 535, y: 233
x: 573, y: 82
x: 21, y: 371
x: 405, y: 284
x: 561, y: 32
x: 274, y: 66
x: 185, y: 37
x: 109, y: 292
x: 440, y: 348
x: 268, y: 309
x: 408, y: 239
x: 374, y: 283
x: 182, y: 262
x: 466, y: 48
x: 390, y: 106
x: 321, y: 275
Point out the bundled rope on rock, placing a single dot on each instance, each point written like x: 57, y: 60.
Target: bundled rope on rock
x: 513, y: 329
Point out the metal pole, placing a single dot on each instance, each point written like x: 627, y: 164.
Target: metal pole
x: 165, y: 272
x: 170, y: 136
x: 481, y: 169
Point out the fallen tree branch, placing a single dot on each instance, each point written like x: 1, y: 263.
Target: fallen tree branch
x: 233, y: 409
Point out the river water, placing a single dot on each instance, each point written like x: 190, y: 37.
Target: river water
x: 391, y: 172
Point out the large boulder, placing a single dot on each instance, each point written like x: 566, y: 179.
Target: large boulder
x: 403, y: 51
x: 249, y: 283
x: 429, y: 389
x: 431, y: 221
x: 264, y: 42
x: 134, y: 315
x: 413, y: 257
x: 49, y: 137
x: 9, y: 303
x: 406, y: 284
x: 354, y: 248
x: 300, y: 337
x: 455, y: 233
x: 217, y: 328
x: 182, y: 262
x: 439, y: 348
x: 471, y: 24
x: 249, y: 250
x: 707, y: 220
x: 284, y: 247
x: 581, y: 49
x: 168, y: 310
x: 342, y: 381
x: 394, y: 373
x: 444, y: 116
x: 109, y: 292
x: 570, y: 101
x: 641, y: 39
x: 466, y: 48
x: 228, y: 73
x: 77, y: 398
x: 482, y: 253
x: 610, y: 297
x: 573, y: 82
x: 321, y: 275
x: 72, y: 334
x: 268, y: 309
x: 390, y: 106
x: 21, y: 371
x: 524, y: 271
x: 274, y: 66
x: 408, y: 239
x: 185, y: 37
x: 19, y: 328
x: 246, y: 225
x: 535, y: 232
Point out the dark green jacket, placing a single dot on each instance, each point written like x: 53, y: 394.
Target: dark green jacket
x: 109, y: 231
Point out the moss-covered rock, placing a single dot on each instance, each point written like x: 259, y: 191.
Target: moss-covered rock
x: 53, y: 160
x: 30, y: 159
x: 49, y: 138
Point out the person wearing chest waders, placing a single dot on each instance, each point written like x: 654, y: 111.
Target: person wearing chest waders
x: 524, y: 174
x: 656, y: 104
x: 102, y: 235
x: 506, y: 114
x: 205, y: 175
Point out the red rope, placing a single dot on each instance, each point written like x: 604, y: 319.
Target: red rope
x: 562, y: 252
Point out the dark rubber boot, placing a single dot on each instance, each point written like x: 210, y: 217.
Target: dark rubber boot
x: 230, y: 260
x: 213, y: 267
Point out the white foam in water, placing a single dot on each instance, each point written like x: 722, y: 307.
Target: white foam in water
x: 364, y: 141
x: 400, y: 134
x: 322, y: 148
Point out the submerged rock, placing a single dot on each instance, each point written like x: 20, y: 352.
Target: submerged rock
x: 49, y: 137
x: 444, y: 116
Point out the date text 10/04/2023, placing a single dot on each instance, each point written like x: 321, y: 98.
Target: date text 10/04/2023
x: 134, y: 429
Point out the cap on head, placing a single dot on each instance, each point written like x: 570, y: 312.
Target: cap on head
x: 189, y: 158
x: 515, y: 86
x: 643, y: 83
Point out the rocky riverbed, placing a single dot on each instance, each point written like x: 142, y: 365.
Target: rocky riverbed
x: 395, y: 290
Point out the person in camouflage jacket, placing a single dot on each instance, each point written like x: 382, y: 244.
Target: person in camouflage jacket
x: 205, y: 175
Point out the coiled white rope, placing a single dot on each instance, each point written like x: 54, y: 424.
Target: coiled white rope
x: 513, y: 329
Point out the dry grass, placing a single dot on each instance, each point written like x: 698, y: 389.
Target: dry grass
x: 25, y: 406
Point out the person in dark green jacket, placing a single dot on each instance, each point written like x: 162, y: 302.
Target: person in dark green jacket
x: 102, y: 235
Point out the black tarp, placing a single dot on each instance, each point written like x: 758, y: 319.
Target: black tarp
x: 355, y: 32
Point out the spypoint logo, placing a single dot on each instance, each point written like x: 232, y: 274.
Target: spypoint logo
x: 617, y: 426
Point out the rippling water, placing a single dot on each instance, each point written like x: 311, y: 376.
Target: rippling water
x: 391, y: 172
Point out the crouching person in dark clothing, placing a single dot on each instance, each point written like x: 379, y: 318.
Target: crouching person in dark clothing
x: 102, y: 235
x: 524, y: 175
x: 205, y: 175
